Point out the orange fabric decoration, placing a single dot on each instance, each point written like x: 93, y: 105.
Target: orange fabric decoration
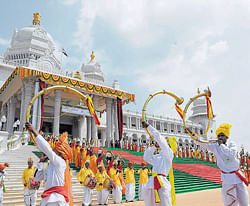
x: 63, y: 147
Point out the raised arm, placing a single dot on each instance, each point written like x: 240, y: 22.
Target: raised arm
x: 166, y: 150
x: 149, y: 155
x: 44, y: 146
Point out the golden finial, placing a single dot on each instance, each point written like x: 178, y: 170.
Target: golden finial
x: 198, y: 91
x: 92, y: 56
x: 36, y: 18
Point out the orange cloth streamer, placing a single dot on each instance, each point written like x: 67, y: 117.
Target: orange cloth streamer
x: 63, y: 147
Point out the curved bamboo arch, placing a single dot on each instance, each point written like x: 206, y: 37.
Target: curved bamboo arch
x: 179, y: 101
x: 44, y: 91
x: 206, y: 94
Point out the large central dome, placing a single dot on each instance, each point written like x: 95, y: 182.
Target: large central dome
x: 33, y: 46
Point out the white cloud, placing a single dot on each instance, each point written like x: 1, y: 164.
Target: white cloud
x: 4, y: 42
x: 70, y: 2
x: 208, y: 48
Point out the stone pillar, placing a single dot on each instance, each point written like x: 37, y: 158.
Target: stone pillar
x: 108, y: 120
x: 81, y: 128
x: 11, y: 114
x: 88, y: 129
x: 57, y: 106
x: 35, y: 105
x: 94, y: 134
x: 28, y: 85
x: 128, y: 121
x: 115, y: 118
x: 4, y: 113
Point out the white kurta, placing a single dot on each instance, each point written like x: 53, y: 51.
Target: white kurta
x: 53, y: 175
x: 233, y: 189
x: 161, y: 164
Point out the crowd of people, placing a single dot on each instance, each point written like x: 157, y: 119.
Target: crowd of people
x: 105, y: 172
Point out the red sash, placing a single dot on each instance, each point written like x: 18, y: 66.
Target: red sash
x: 58, y: 189
x: 242, y: 178
x: 157, y: 184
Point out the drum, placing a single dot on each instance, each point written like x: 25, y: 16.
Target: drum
x: 33, y: 185
x: 90, y: 182
x: 108, y: 184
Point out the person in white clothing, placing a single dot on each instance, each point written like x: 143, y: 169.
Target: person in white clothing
x: 56, y: 176
x: 234, y: 192
x: 161, y: 165
x: 2, y: 176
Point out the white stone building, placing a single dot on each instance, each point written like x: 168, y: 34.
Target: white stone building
x: 31, y: 59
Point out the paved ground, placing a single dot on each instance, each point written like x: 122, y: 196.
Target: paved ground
x: 200, y: 198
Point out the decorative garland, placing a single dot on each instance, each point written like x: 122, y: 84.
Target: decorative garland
x: 59, y: 80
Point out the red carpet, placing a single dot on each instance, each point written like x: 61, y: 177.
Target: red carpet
x: 200, y: 170
x: 125, y: 155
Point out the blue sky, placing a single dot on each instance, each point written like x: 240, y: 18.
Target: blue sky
x: 153, y: 45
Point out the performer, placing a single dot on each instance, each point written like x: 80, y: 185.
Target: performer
x: 2, y: 176
x: 234, y: 190
x: 202, y: 156
x: 102, y: 193
x: 183, y: 152
x: 78, y: 154
x: 115, y: 176
x: 83, y: 152
x: 120, y: 164
x: 158, y: 186
x: 143, y: 180
x: 73, y: 144
x: 81, y: 176
x: 130, y: 182
x: 109, y: 161
x: 56, y: 176
x: 92, y: 160
x: 29, y: 194
x: 187, y: 152
x: 197, y: 154
x: 192, y: 153
x: 207, y: 156
x: 99, y: 160
x: 179, y: 152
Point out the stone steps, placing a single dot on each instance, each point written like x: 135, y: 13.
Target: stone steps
x: 13, y: 181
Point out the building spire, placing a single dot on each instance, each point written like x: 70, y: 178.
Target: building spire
x: 92, y: 56
x: 36, y: 19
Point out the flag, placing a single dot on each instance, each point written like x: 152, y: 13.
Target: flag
x: 210, y: 113
x: 64, y: 52
x: 92, y: 111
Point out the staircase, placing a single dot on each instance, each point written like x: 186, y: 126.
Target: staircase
x: 13, y: 180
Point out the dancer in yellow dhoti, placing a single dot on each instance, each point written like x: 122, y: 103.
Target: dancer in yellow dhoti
x: 115, y: 176
x: 234, y: 183
x: 130, y: 182
x: 102, y: 193
x: 56, y: 175
x: 143, y: 180
x: 81, y: 176
x: 29, y: 194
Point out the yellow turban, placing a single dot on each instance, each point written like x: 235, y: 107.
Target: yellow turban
x: 225, y: 129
